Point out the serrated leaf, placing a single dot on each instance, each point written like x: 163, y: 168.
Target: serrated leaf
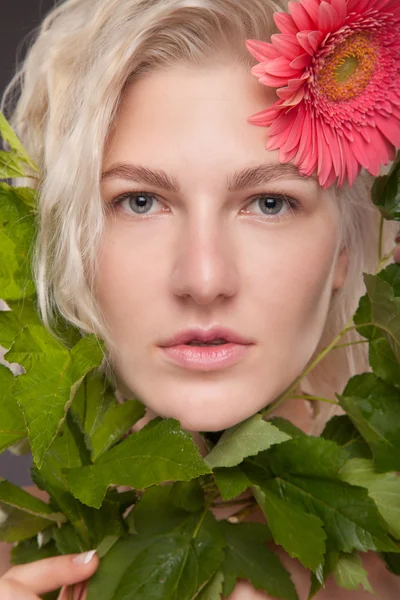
x: 350, y: 574
x: 386, y: 195
x: 385, y: 308
x: 231, y: 482
x: 103, y: 420
x: 17, y: 233
x: 12, y: 425
x: 155, y: 454
x: 23, y: 515
x: 247, y: 557
x: 341, y: 430
x: 10, y: 165
x: 13, y: 321
x: 28, y: 551
x: 383, y: 488
x: 53, y: 373
x: 301, y: 534
x: 213, y: 589
x: 287, y: 427
x: 245, y: 439
x: 307, y: 472
x: 168, y: 558
x: 9, y: 136
x: 374, y: 408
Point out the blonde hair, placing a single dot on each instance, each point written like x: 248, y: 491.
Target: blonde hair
x: 69, y: 89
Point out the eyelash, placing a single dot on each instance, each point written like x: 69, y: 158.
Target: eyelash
x: 293, y: 205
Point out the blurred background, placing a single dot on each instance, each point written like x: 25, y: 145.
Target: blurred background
x: 18, y: 21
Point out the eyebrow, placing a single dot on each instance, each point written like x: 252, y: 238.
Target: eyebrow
x: 239, y: 180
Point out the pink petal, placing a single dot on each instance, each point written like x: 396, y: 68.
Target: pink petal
x: 300, y: 16
x: 353, y: 167
x: 293, y: 139
x: 285, y: 23
x: 279, y: 67
x: 295, y: 88
x: 301, y: 62
x: 286, y: 156
x: 324, y: 159
x: 296, y: 98
x: 283, y: 122
x: 261, y: 50
x: 304, y: 42
x: 390, y: 129
x: 360, y: 149
x: 315, y: 38
x: 328, y: 20
x: 312, y: 7
x: 272, y: 81
x: 264, y: 118
x: 306, y: 141
x: 287, y: 45
x: 358, y: 6
x: 334, y: 147
x: 341, y: 9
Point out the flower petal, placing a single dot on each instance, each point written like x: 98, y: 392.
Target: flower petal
x: 285, y: 23
x: 301, y: 62
x: 312, y: 7
x: 261, y: 50
x: 302, y: 38
x: 328, y: 19
x: 315, y: 38
x: 390, y: 129
x: 273, y: 81
x: 280, y: 67
x: 341, y: 9
x: 292, y: 142
x: 300, y: 16
x: 287, y: 45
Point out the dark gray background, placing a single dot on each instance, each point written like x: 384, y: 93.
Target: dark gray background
x: 18, y: 19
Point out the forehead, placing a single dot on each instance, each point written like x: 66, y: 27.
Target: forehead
x: 185, y: 127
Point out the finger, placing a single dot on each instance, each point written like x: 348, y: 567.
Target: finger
x: 51, y: 574
x: 11, y: 590
x: 79, y: 592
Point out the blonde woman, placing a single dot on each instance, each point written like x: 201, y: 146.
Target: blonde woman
x: 164, y: 215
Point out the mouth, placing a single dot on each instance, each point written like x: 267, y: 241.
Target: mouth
x: 214, y: 355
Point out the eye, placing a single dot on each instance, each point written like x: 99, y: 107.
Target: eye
x: 275, y: 206
x: 138, y: 202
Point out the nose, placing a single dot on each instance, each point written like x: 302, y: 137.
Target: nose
x: 205, y: 266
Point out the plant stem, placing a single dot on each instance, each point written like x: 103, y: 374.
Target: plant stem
x: 380, y: 249
x: 351, y: 344
x: 240, y: 516
x: 314, y: 398
x: 288, y: 394
x: 228, y: 503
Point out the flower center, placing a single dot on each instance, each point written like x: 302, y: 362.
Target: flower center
x: 346, y: 71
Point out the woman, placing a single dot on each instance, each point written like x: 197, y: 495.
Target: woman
x: 162, y: 213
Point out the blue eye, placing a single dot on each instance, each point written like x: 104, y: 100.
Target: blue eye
x: 137, y: 202
x: 275, y: 205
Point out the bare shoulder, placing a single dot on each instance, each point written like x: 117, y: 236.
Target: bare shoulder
x: 5, y: 549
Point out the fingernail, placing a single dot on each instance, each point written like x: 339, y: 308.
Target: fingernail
x: 84, y: 558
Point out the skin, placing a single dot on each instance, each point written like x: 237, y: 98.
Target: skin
x: 211, y: 263
x: 208, y: 256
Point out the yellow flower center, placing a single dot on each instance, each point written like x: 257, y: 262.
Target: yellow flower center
x: 347, y: 71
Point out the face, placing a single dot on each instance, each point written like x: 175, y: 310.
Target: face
x: 261, y: 258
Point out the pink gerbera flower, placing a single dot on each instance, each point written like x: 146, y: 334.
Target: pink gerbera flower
x: 336, y: 65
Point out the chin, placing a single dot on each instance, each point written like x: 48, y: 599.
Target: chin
x: 206, y: 420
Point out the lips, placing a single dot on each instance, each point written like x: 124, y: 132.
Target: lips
x: 206, y: 335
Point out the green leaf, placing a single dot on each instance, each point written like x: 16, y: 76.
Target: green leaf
x: 350, y: 574
x: 173, y: 555
x: 53, y: 374
x: 242, y: 440
x: 287, y: 427
x: 157, y: 453
x: 13, y: 321
x: 10, y: 165
x: 247, y: 557
x: 231, y: 482
x: 17, y: 233
x: 103, y: 420
x: 383, y: 488
x: 374, y: 408
x: 307, y: 472
x: 383, y: 361
x: 385, y: 306
x: 213, y: 589
x: 341, y: 430
x: 386, y: 195
x: 29, y: 551
x: 301, y: 534
x: 12, y: 425
x: 9, y: 136
x: 23, y: 515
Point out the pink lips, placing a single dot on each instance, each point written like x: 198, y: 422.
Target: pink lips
x: 206, y: 358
